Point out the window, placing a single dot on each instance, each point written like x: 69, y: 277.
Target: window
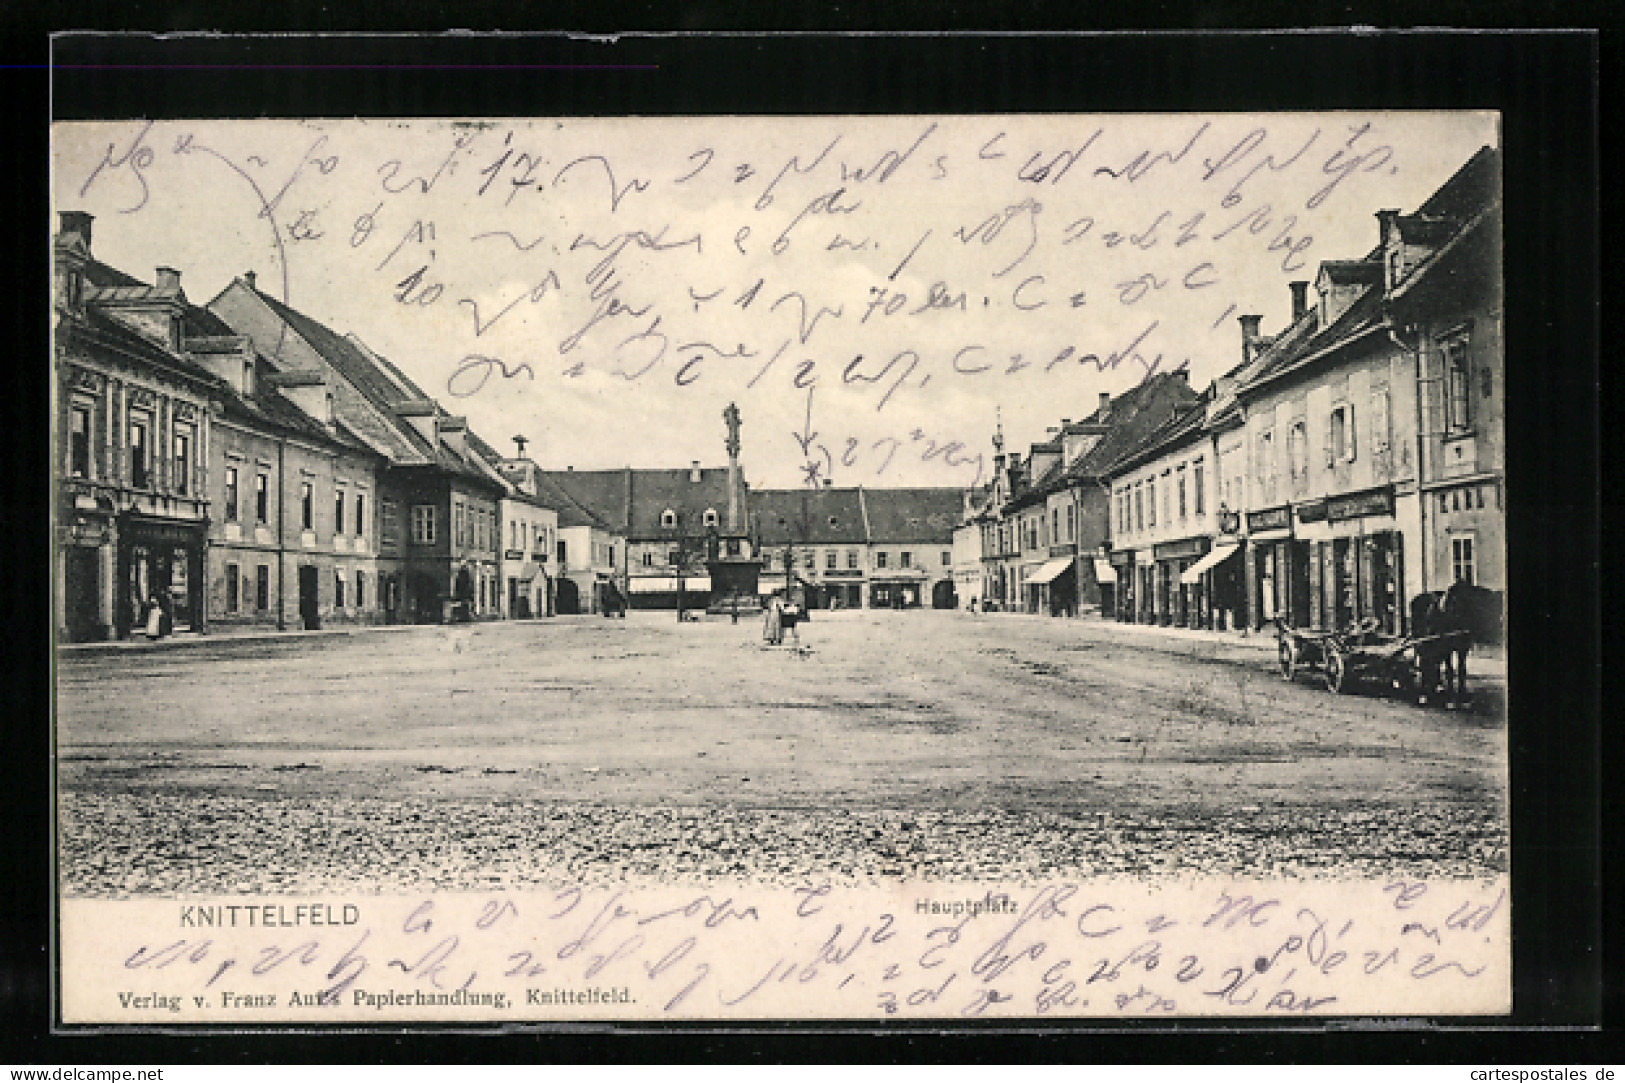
x: 880, y: 559
x: 1139, y: 506
x: 423, y: 525
x: 183, y: 461
x: 232, y: 588
x: 1340, y: 438
x: 675, y: 557
x: 1458, y: 375
x: 262, y: 587
x: 360, y: 516
x: 360, y: 589
x: 459, y: 523
x: 1182, y: 491
x: 79, y: 442
x: 1151, y: 499
x: 1461, y: 559
x: 1055, y: 524
x: 563, y: 554
x: 338, y: 512
x: 668, y: 519
x: 1380, y: 434
x: 1297, y: 453
x: 1197, y: 484
x: 947, y: 558
x: 389, y: 528
x: 648, y: 560
x: 905, y: 559
x: 852, y: 558
x: 612, y: 556
x: 338, y: 588
x: 262, y: 498
x: 231, y: 494
x: 710, y: 518
x: 140, y: 466
x: 831, y: 559
x: 307, y: 506
x: 1167, y: 496
x: 809, y: 560
x: 1071, y: 522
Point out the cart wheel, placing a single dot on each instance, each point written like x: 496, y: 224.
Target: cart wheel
x: 1289, y: 659
x: 1336, y: 671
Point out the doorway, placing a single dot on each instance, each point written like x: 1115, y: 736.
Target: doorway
x: 309, y: 603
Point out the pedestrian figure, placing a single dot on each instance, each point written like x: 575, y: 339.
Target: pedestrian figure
x: 155, y: 619
x: 773, y: 623
x: 790, y: 618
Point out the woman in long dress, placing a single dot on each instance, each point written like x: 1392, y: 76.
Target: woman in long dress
x: 773, y: 623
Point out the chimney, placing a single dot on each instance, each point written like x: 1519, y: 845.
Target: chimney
x: 1105, y: 406
x: 1385, y: 224
x: 520, y: 442
x: 76, y: 223
x: 1300, y: 299
x: 169, y: 279
x: 1065, y: 421
x: 248, y: 279
x: 694, y: 471
x: 829, y: 483
x: 1249, y: 335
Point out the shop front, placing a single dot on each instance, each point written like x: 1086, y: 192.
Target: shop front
x: 1354, y: 554
x: 1054, y: 587
x: 1179, y: 599
x: 1145, y: 587
x: 160, y: 561
x: 896, y: 593
x: 1106, y: 578
x: 1122, y: 567
x: 1277, y: 569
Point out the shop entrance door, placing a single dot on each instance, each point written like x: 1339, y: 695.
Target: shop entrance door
x: 1298, y: 592
x: 83, y: 614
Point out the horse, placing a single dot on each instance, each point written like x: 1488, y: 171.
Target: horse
x: 1461, y: 609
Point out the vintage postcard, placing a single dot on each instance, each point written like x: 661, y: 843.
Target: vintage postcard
x: 527, y: 569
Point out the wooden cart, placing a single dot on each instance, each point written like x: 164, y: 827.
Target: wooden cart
x: 1410, y: 666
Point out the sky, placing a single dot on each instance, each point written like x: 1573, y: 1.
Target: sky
x: 876, y: 294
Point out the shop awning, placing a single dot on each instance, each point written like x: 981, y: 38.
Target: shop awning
x: 1049, y: 571
x: 1215, y: 557
x: 1104, y: 572
x: 666, y: 584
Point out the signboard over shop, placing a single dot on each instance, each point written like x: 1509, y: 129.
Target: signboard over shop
x: 1269, y: 519
x: 1359, y: 505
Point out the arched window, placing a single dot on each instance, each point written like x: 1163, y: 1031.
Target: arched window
x: 668, y: 519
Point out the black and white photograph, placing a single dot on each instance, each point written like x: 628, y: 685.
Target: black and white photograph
x: 532, y: 568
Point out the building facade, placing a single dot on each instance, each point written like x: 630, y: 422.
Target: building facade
x: 132, y: 425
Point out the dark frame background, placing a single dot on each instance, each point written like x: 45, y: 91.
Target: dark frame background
x: 1543, y: 83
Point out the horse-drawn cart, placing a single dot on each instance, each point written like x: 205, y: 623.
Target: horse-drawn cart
x: 1411, y: 665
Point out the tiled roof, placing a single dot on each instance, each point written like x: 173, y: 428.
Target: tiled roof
x: 1178, y: 430
x: 97, y: 329
x: 364, y: 371
x: 1132, y: 416
x: 913, y: 515
x: 809, y: 516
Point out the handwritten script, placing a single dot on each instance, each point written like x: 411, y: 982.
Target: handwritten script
x: 911, y: 270
x: 1113, y: 949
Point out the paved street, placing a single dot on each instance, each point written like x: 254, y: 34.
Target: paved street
x: 916, y: 743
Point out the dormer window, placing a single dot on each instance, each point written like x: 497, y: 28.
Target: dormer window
x: 668, y: 519
x: 710, y: 518
x: 248, y: 378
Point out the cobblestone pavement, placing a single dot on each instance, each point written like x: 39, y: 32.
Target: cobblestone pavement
x: 917, y: 744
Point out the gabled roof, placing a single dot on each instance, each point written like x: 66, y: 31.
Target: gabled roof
x: 1132, y: 416
x: 383, y: 387
x: 1181, y: 428
x: 97, y: 329
x: 923, y: 515
x: 808, y: 516
x: 631, y: 502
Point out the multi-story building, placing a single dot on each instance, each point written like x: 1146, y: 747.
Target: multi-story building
x: 527, y: 563
x: 970, y: 534
x: 817, y: 539
x: 911, y: 537
x: 1369, y: 395
x: 1163, y: 510
x: 438, y: 527
x: 132, y: 423
x: 293, y: 497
